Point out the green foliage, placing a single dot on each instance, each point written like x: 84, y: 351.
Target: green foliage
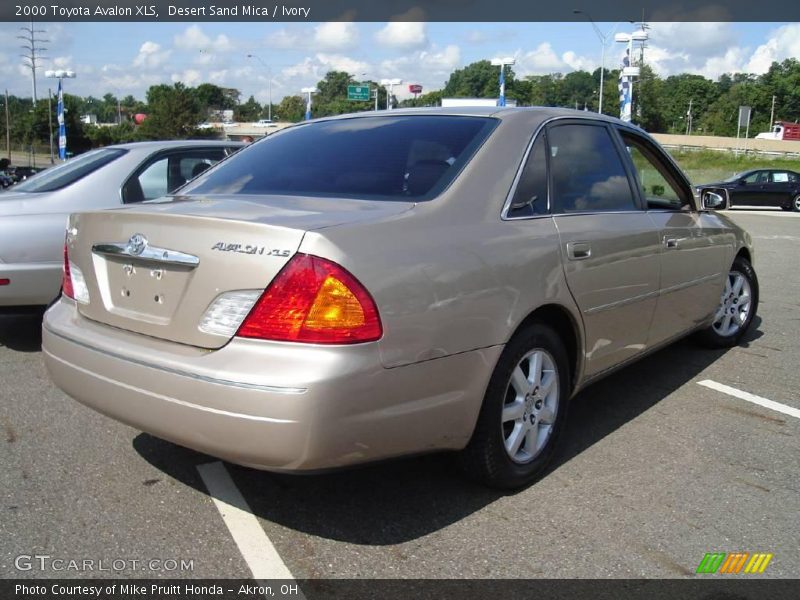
x: 103, y: 135
x: 248, y: 111
x: 292, y: 109
x: 173, y: 113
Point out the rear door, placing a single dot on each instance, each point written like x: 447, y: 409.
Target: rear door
x: 782, y: 184
x: 610, y: 247
x: 166, y: 171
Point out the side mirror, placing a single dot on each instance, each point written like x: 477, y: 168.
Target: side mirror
x: 712, y: 200
x: 741, y: 182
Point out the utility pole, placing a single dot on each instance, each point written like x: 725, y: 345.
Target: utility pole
x: 772, y: 114
x: 33, y: 54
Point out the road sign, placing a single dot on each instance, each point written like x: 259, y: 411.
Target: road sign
x: 415, y: 88
x: 358, y: 92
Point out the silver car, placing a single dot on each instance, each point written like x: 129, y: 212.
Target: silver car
x: 365, y: 287
x: 33, y: 213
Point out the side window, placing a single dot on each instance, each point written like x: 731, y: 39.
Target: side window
x: 757, y: 177
x: 530, y: 197
x: 153, y: 180
x: 781, y: 177
x: 658, y: 188
x: 587, y: 171
x: 167, y: 173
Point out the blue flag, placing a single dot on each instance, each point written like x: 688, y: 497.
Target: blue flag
x: 501, y: 101
x: 62, y: 126
x: 308, y: 108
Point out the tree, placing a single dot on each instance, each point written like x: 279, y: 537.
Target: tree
x: 249, y: 111
x: 478, y: 80
x: 292, y: 109
x: 172, y: 113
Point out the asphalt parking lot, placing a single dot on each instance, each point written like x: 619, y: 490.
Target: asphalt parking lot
x: 657, y: 470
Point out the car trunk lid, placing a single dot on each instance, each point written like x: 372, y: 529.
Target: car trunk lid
x: 157, y: 268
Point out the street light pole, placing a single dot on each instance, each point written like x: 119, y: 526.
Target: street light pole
x: 390, y: 83
x: 8, y: 133
x: 269, y: 75
x: 61, y: 74
x: 50, y: 124
x: 502, y: 62
x: 308, y: 91
x: 604, y: 41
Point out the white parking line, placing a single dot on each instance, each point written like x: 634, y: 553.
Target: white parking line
x: 256, y: 548
x: 776, y: 406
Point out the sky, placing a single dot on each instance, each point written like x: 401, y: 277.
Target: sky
x: 127, y: 58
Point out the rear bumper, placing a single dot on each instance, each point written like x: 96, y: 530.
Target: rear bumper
x: 288, y: 407
x: 30, y: 283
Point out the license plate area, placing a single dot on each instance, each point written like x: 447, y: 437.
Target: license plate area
x: 139, y: 289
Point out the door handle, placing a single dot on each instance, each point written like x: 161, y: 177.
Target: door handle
x: 578, y: 250
x: 671, y: 242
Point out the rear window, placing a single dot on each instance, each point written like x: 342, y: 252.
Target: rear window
x: 393, y: 158
x: 71, y: 171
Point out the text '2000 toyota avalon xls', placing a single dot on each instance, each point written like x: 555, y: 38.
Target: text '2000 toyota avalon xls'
x: 364, y: 287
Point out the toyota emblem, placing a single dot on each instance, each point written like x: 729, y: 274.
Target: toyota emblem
x: 136, y: 244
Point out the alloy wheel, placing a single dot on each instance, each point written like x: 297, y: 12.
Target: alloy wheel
x: 531, y: 406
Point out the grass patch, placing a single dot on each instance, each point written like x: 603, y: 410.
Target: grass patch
x: 707, y: 166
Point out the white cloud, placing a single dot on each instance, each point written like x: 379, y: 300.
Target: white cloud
x: 218, y: 77
x: 540, y: 61
x: 405, y: 34
x: 579, y: 63
x: 190, y: 77
x: 151, y: 56
x: 783, y: 43
x: 285, y: 39
x: 335, y: 35
x: 193, y: 38
x: 337, y: 62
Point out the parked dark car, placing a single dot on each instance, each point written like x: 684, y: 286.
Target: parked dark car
x: 760, y: 187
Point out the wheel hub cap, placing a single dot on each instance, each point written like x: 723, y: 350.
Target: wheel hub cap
x: 734, y: 308
x: 531, y: 404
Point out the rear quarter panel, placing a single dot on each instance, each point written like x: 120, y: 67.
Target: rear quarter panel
x: 450, y: 275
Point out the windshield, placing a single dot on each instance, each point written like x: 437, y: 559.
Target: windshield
x: 69, y: 172
x: 407, y: 157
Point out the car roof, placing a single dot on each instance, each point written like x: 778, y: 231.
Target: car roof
x: 158, y: 145
x: 542, y: 112
x: 531, y: 116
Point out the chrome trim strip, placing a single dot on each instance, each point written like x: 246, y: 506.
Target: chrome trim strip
x: 648, y: 295
x: 149, y: 254
x: 687, y: 284
x: 180, y: 373
x: 619, y: 303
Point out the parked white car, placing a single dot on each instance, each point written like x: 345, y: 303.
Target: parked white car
x: 33, y: 213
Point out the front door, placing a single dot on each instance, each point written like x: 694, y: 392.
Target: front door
x: 693, y: 245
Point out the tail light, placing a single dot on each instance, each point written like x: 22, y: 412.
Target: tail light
x: 314, y: 300
x: 73, y: 285
x: 66, y: 283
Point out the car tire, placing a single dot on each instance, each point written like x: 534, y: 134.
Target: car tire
x: 796, y: 203
x: 523, y: 413
x: 731, y: 320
